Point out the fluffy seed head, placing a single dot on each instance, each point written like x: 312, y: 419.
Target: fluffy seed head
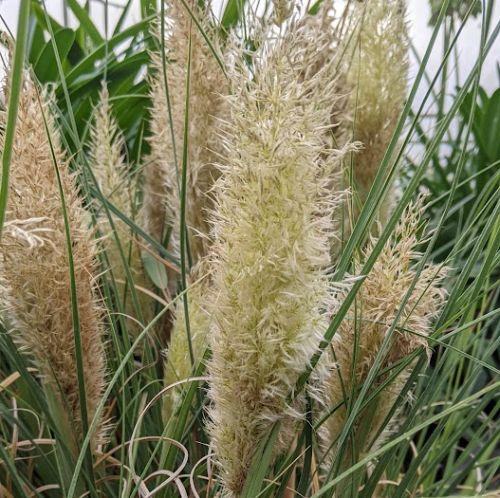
x: 163, y: 171
x: 272, y: 227
x: 34, y: 267
x: 377, y: 305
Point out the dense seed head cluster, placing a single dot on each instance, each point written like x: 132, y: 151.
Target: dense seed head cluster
x: 366, y: 325
x: 272, y: 227
x: 34, y: 264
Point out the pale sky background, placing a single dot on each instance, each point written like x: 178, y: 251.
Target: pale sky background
x: 418, y: 16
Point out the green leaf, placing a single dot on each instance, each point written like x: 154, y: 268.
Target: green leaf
x: 491, y: 127
x: 155, y: 270
x: 315, y: 7
x: 82, y: 15
x: 42, y: 18
x: 87, y: 65
x: 36, y: 40
x: 232, y: 13
x: 46, y: 62
x: 15, y: 90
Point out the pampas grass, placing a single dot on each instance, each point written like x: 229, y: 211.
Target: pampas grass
x: 300, y: 353
x: 272, y: 227
x: 116, y: 184
x: 393, y: 295
x: 36, y: 272
x: 188, y: 54
x: 376, y: 80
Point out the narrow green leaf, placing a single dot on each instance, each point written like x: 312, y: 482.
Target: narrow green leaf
x: 15, y: 89
x: 155, y: 270
x: 85, y: 22
x: 261, y: 462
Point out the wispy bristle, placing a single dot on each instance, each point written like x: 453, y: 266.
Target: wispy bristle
x: 35, y: 277
x: 272, y: 227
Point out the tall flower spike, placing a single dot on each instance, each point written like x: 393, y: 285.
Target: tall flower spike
x: 272, y: 226
x: 110, y: 170
x: 163, y: 171
x: 362, y: 332
x: 35, y: 288
x: 377, y: 81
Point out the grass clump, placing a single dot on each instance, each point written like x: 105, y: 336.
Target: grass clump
x: 238, y: 261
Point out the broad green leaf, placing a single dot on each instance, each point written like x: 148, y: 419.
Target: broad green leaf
x: 491, y: 127
x: 42, y: 17
x: 232, y: 13
x: 36, y: 40
x: 155, y: 270
x: 46, y: 63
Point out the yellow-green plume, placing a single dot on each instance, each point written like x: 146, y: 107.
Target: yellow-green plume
x: 163, y: 171
x: 110, y: 170
x: 272, y: 226
x: 179, y: 365
x: 35, y: 285
x: 362, y: 332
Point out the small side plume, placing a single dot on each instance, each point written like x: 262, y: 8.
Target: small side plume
x: 364, y: 329
x: 108, y: 162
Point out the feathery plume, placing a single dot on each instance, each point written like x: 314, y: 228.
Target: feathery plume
x: 35, y: 291
x: 272, y: 226
x: 178, y: 365
x: 163, y: 171
x: 364, y: 329
x: 110, y: 169
x: 377, y: 80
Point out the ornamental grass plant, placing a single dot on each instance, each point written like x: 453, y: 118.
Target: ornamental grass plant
x: 246, y: 252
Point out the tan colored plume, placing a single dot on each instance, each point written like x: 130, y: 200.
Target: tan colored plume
x: 35, y: 289
x: 361, y: 334
x: 162, y: 173
x: 377, y: 84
